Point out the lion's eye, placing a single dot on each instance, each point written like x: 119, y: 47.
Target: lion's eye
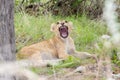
x: 57, y: 22
x: 66, y: 21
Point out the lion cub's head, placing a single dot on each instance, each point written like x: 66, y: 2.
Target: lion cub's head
x: 62, y: 28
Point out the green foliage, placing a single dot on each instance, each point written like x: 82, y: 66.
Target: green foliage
x: 40, y: 70
x: 93, y: 9
x: 33, y: 1
x: 69, y: 62
x: 30, y: 29
x: 26, y: 1
x: 17, y: 2
x: 115, y: 59
x: 87, y: 32
x: 76, y: 3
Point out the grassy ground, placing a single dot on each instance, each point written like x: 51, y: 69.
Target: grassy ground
x: 30, y: 29
x: 86, y: 33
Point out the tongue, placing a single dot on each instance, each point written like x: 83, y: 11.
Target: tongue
x: 64, y: 34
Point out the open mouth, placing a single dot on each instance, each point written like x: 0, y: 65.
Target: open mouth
x: 63, y: 31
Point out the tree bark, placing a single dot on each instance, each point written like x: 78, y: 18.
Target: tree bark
x: 7, y: 35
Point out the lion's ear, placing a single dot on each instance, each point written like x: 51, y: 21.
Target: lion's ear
x: 70, y: 24
x: 52, y: 27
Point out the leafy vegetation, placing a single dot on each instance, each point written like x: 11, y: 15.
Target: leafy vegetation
x: 91, y: 8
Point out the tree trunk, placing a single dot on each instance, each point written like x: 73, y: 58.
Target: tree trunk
x: 7, y: 35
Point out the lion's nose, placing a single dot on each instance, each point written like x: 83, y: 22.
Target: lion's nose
x: 62, y: 24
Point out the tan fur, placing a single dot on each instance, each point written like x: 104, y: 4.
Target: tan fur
x: 56, y: 47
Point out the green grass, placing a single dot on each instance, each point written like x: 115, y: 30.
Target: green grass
x: 30, y: 29
x: 70, y: 62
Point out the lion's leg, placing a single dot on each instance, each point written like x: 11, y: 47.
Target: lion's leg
x: 62, y: 54
x: 82, y: 55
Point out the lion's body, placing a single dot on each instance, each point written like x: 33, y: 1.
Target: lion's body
x: 60, y: 46
x: 50, y: 49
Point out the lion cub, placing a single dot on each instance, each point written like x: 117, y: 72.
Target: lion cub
x: 60, y: 46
